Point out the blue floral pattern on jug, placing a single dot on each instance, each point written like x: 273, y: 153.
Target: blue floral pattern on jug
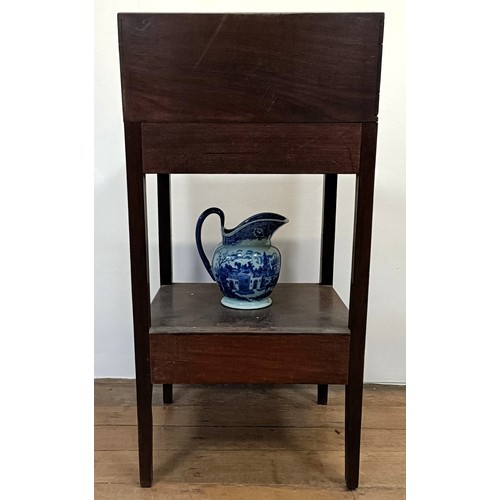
x: 245, y: 265
x: 245, y: 273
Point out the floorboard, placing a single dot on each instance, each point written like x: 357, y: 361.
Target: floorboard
x: 248, y: 441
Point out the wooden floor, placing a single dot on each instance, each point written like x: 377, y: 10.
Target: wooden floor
x: 248, y: 443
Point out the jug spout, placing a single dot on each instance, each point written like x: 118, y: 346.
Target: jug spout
x: 257, y: 229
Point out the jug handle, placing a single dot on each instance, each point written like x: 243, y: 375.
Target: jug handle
x: 201, y: 220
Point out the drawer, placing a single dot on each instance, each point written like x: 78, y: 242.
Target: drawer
x: 249, y: 359
x: 250, y: 148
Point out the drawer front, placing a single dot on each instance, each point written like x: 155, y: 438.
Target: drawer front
x: 249, y: 148
x: 249, y: 359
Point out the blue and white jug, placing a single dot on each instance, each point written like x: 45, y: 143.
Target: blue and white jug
x: 245, y: 265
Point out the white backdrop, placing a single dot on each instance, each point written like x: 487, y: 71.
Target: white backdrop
x: 297, y: 197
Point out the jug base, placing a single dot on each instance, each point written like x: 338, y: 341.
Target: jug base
x: 243, y: 304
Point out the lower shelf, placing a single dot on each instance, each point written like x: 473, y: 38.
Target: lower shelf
x: 302, y: 338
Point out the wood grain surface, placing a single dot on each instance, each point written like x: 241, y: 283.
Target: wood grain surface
x: 302, y: 338
x: 358, y: 299
x: 251, y: 148
x: 194, y: 308
x: 242, y: 358
x: 390, y: 417
x: 240, y: 442
x: 136, y: 191
x: 250, y: 67
x: 121, y: 393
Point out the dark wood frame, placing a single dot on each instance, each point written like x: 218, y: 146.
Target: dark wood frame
x: 286, y: 132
